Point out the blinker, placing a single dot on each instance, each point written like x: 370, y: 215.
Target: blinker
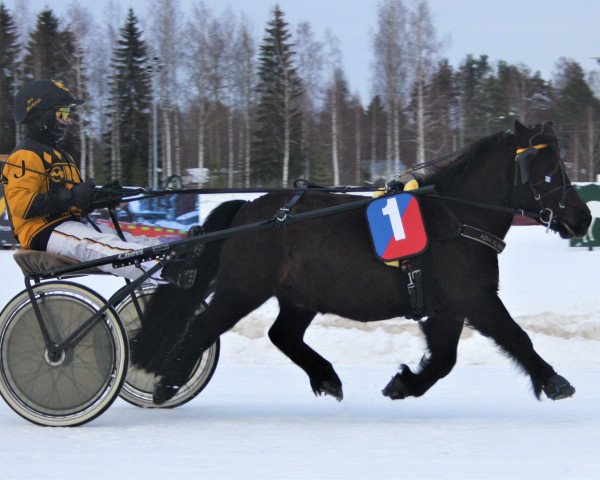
x: 522, y: 163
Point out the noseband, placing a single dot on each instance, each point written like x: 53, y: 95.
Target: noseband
x: 547, y: 216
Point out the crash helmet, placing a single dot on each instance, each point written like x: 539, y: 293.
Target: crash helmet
x: 36, y: 104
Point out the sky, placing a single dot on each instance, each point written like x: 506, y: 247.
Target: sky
x: 533, y: 32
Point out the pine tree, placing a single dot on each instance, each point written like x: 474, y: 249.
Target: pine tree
x: 50, y: 54
x: 128, y: 136
x: 9, y: 49
x: 277, y: 146
x: 472, y: 80
x: 577, y: 107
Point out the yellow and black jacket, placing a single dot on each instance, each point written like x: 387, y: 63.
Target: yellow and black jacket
x: 32, y: 176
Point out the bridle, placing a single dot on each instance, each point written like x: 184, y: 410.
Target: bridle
x: 547, y: 216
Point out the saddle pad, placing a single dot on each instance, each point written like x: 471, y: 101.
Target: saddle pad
x: 396, y: 226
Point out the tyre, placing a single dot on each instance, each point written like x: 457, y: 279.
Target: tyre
x: 79, y: 384
x: 139, y: 384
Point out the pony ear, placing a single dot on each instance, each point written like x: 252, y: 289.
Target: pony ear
x: 522, y: 133
x: 548, y: 128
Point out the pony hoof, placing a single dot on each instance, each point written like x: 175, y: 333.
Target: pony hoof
x: 396, y: 389
x: 557, y: 388
x: 332, y: 389
x: 163, y: 393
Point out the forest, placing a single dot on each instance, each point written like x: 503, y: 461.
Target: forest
x: 196, y: 98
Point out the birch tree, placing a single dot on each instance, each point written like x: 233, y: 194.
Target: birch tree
x: 82, y: 25
x: 245, y: 80
x: 423, y: 47
x: 335, y: 92
x: 167, y: 46
x: 196, y: 62
x: 390, y: 72
x: 310, y: 61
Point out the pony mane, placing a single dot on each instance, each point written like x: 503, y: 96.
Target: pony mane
x: 454, y: 167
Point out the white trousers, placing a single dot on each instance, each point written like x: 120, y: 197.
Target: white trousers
x: 82, y: 242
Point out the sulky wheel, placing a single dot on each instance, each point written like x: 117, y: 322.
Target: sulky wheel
x: 68, y: 387
x: 139, y: 384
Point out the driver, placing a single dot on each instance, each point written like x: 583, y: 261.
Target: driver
x: 47, y: 199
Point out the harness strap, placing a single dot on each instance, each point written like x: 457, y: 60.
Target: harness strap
x: 482, y: 237
x: 470, y: 232
x: 283, y: 212
x: 415, y: 288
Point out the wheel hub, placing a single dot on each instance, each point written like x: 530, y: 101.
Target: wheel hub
x: 55, y: 358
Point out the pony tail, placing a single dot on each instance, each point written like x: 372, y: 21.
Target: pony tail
x: 170, y: 310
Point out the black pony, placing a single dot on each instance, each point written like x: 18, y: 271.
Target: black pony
x: 327, y: 265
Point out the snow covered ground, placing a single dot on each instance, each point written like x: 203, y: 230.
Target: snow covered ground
x: 258, y: 419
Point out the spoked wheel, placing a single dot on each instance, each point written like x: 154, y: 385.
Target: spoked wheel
x: 69, y: 387
x: 139, y: 384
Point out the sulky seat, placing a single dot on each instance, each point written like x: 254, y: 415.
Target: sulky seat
x: 34, y: 261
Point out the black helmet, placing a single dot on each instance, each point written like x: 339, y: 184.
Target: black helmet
x: 40, y: 95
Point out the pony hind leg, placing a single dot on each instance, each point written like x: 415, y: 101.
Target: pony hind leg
x: 492, y: 320
x: 287, y: 334
x: 442, y: 332
x: 225, y: 310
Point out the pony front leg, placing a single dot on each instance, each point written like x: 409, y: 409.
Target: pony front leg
x: 442, y: 332
x: 492, y: 320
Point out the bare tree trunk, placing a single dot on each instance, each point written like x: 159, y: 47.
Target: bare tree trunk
x: 231, y: 162
x: 167, y: 147
x: 389, y: 146
x: 373, y: 137
x: 82, y: 137
x: 286, y: 128
x: 247, y: 164
x: 201, y: 134
x: 396, y: 136
x: 177, y: 139
x: 357, y: 133
x: 420, y: 120
x: 334, y: 138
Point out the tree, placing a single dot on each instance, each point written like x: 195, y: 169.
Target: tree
x: 390, y: 50
x: 472, y: 82
x: 82, y: 27
x: 130, y: 101
x: 10, y: 48
x: 310, y: 66
x: 442, y: 108
x: 245, y: 81
x: 422, y: 47
x: 278, y: 136
x: 168, y: 48
x: 196, y: 62
x: 576, y: 107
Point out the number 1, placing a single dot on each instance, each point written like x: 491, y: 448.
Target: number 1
x: 391, y: 210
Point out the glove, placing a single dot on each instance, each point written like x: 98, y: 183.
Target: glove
x: 113, y: 184
x: 81, y: 195
x: 109, y: 196
x: 394, y: 186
